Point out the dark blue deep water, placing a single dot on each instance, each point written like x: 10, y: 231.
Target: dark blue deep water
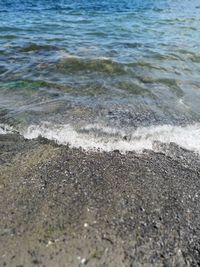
x: 117, y: 64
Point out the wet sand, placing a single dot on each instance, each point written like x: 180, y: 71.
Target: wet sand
x: 61, y: 206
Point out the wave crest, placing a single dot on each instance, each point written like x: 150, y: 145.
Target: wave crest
x: 100, y: 65
x: 97, y: 137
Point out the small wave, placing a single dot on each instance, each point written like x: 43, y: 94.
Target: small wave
x: 97, y: 137
x: 25, y: 87
x: 8, y: 36
x: 101, y: 65
x: 37, y: 47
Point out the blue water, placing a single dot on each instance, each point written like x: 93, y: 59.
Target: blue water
x: 124, y: 64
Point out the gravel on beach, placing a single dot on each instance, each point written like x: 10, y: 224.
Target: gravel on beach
x: 65, y: 207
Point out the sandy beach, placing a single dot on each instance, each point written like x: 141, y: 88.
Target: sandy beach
x: 61, y: 206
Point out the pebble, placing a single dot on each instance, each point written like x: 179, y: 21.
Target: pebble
x: 83, y: 261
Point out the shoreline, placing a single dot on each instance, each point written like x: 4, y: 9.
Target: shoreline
x: 63, y: 206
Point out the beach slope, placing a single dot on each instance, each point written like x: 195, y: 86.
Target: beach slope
x: 61, y: 206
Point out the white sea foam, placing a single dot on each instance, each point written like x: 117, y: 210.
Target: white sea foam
x: 5, y: 129
x: 108, y: 139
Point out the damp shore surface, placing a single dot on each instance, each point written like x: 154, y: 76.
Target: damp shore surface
x: 63, y: 206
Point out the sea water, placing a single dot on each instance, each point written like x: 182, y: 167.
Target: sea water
x: 101, y: 74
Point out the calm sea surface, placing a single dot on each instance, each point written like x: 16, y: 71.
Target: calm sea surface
x: 108, y: 74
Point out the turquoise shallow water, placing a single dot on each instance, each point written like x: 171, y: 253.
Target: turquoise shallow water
x: 121, y: 64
